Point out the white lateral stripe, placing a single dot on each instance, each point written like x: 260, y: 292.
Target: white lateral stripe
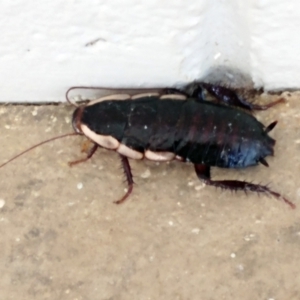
x: 144, y: 95
x: 109, y: 142
x: 178, y: 158
x: 110, y: 97
x: 159, y: 156
x: 105, y: 141
x: 130, y: 153
x: 173, y: 97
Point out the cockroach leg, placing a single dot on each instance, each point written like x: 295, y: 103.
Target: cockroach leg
x: 89, y: 155
x: 267, y: 106
x: 86, y: 145
x: 203, y: 173
x: 225, y: 95
x: 129, y: 178
x: 230, y: 97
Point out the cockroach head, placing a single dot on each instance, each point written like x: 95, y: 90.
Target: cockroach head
x: 76, y: 119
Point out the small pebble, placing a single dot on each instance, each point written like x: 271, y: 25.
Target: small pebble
x: 79, y: 185
x: 249, y: 237
x: 232, y: 255
x: 2, y: 110
x: 199, y: 187
x: 196, y: 230
x: 2, y: 203
x: 77, y: 98
x: 146, y: 174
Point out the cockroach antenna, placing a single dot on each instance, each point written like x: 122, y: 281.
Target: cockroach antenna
x: 37, y: 145
x: 60, y: 136
x: 54, y: 138
x: 85, y: 88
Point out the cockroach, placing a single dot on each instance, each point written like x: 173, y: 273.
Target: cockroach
x: 182, y: 125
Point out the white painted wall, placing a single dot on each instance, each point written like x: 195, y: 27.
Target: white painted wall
x: 45, y: 46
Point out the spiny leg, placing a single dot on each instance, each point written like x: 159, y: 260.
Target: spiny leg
x: 266, y: 106
x: 89, y: 155
x: 230, y: 97
x: 203, y: 173
x: 129, y: 178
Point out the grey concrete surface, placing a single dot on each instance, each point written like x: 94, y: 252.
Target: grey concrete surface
x: 63, y: 238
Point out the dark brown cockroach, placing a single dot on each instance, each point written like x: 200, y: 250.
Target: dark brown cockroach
x: 182, y: 125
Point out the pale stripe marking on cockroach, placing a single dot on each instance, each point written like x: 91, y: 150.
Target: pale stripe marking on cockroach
x: 173, y: 97
x: 128, y: 152
x: 159, y: 156
x: 144, y: 95
x: 110, y: 97
x: 111, y: 143
x: 105, y: 141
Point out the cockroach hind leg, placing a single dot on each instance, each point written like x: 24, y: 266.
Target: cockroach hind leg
x: 203, y: 173
x: 129, y: 178
x: 90, y: 153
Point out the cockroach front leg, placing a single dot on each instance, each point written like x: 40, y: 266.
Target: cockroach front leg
x: 203, y: 173
x: 90, y: 153
x: 129, y: 178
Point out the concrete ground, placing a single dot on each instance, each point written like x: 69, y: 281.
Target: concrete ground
x: 62, y: 237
